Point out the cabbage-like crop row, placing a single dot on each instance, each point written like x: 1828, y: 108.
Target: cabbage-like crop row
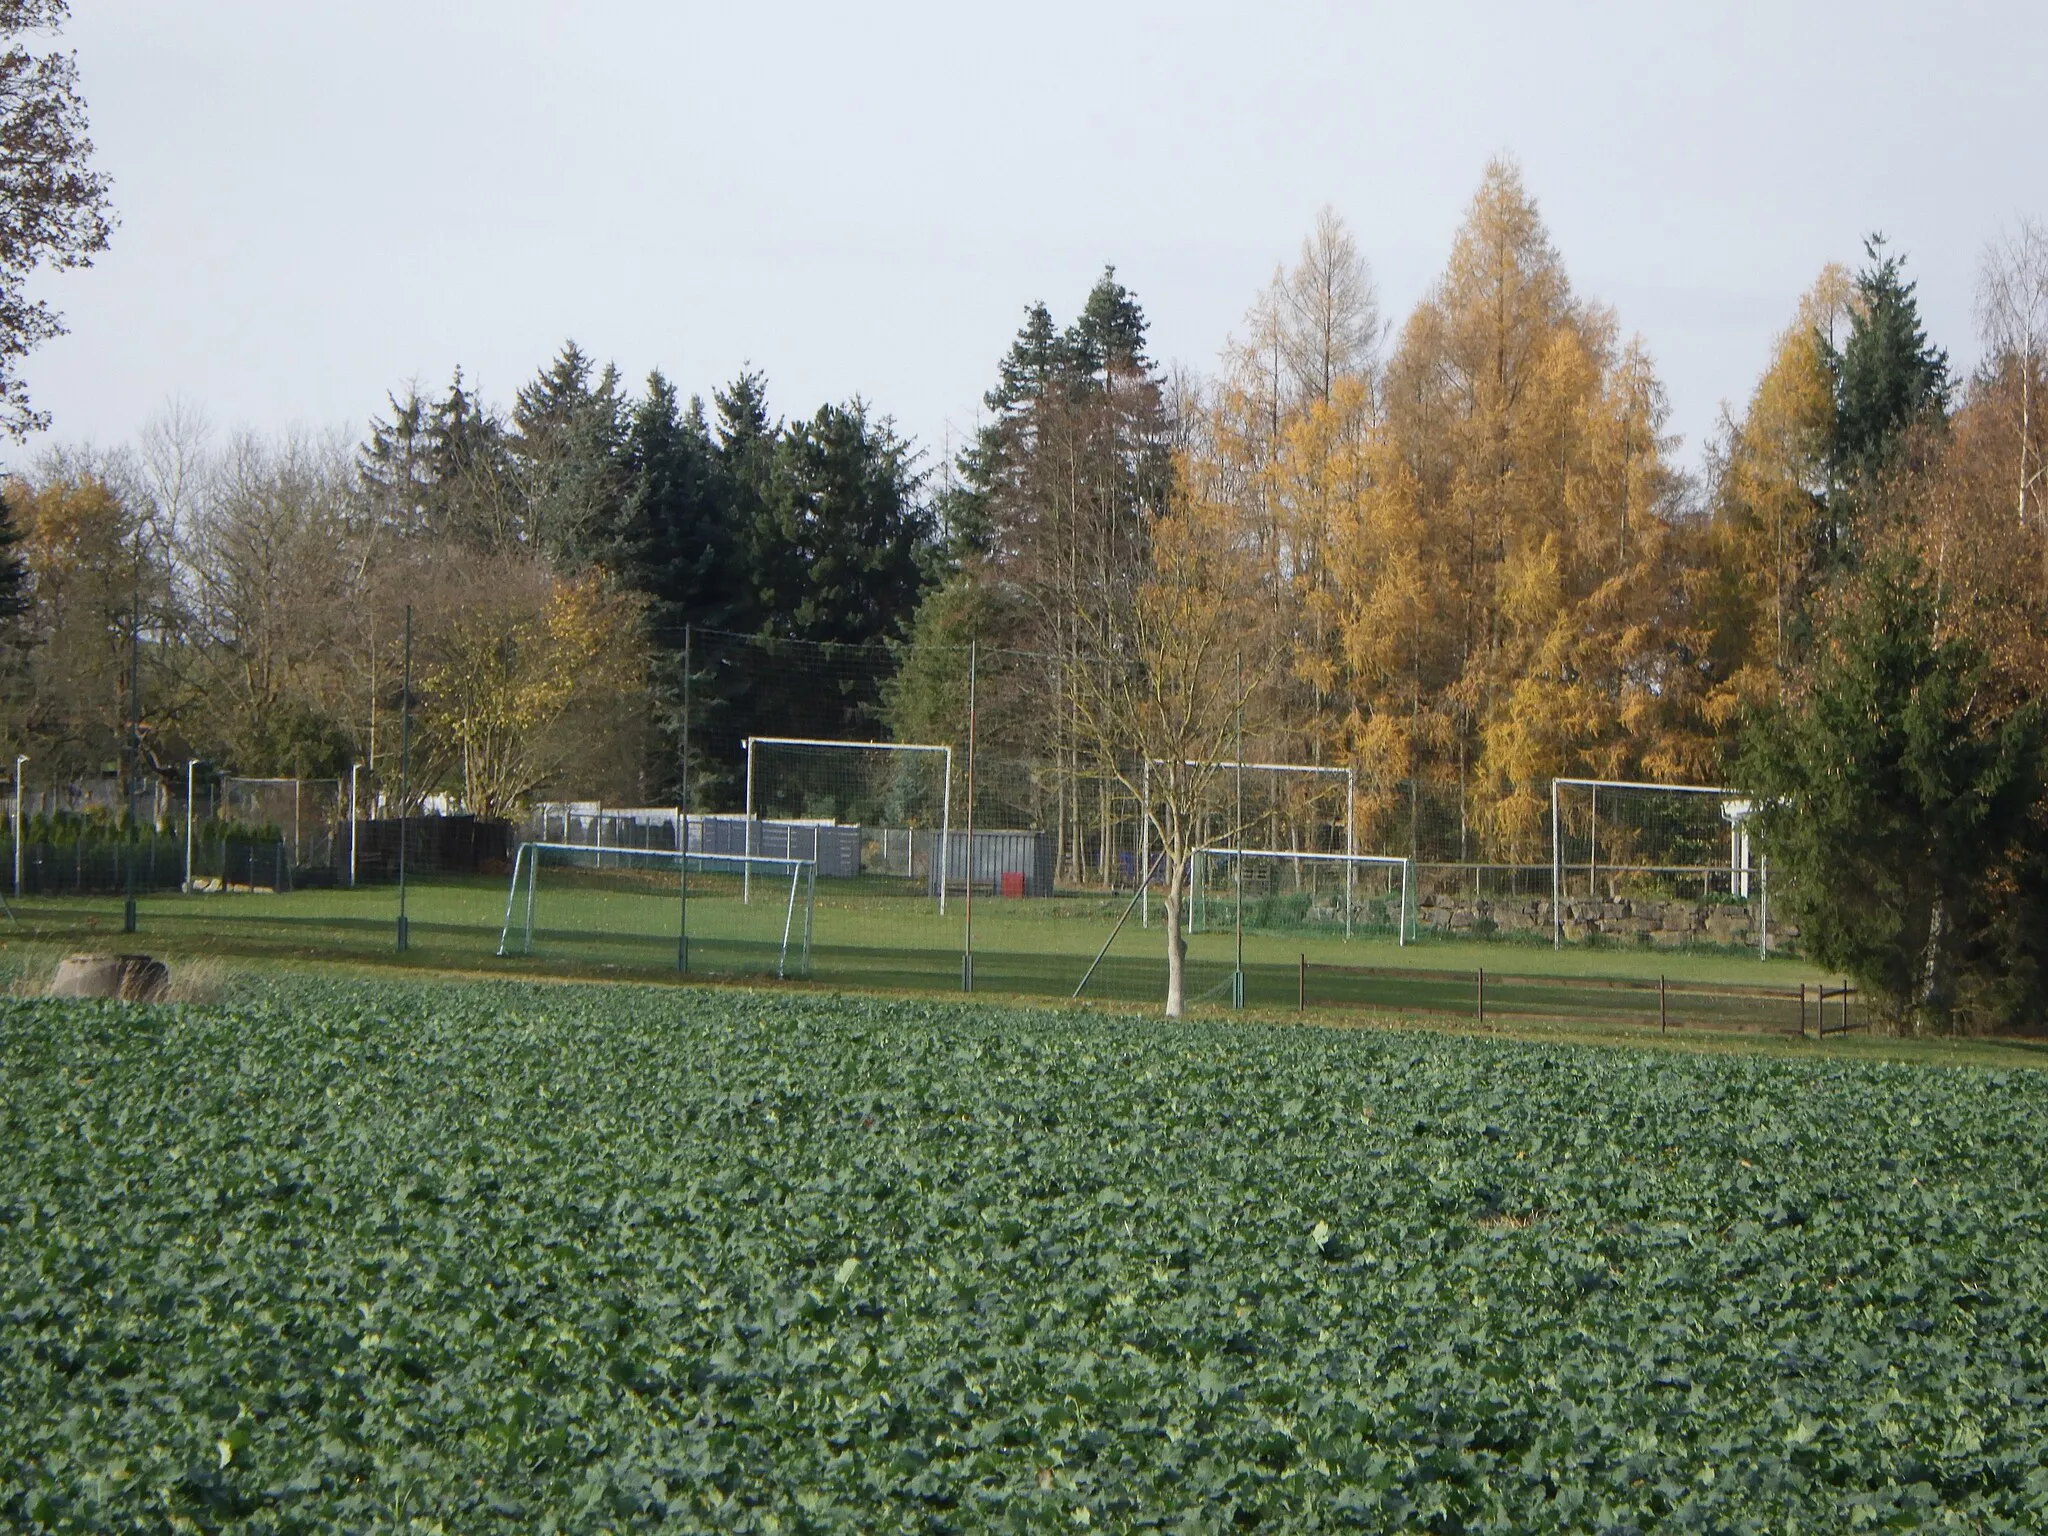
x: 342, y: 1257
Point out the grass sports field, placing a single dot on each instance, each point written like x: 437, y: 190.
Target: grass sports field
x: 1028, y: 949
x: 352, y: 1254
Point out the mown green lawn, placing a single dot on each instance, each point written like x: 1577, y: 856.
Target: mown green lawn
x: 1022, y: 948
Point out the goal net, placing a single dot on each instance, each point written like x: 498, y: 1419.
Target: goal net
x: 1614, y: 841
x: 310, y: 815
x: 647, y: 908
x: 1311, y: 894
x: 1292, y: 809
x: 890, y: 802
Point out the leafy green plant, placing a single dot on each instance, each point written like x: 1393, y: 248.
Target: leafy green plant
x: 345, y: 1256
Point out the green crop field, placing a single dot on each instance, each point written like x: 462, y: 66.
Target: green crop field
x: 355, y: 1255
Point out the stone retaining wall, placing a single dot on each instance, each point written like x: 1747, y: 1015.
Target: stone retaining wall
x: 1662, y: 924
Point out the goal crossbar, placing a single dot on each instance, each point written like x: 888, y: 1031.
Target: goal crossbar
x: 526, y: 861
x: 946, y: 797
x: 1384, y: 860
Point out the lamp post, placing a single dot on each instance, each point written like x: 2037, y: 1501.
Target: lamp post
x: 19, y: 759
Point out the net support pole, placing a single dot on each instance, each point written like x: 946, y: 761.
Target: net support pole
x: 967, y: 925
x: 1351, y: 850
x: 1556, y: 873
x: 404, y: 775
x: 747, y: 869
x: 1593, y: 847
x: 19, y: 759
x: 355, y: 816
x: 191, y: 779
x: 946, y: 834
x: 1145, y: 844
x: 1401, y: 921
x: 1763, y: 901
x: 1237, y: 975
x: 683, y: 825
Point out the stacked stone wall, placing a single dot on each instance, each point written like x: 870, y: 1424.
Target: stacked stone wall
x: 1665, y: 924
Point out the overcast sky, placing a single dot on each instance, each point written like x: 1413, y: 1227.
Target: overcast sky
x: 319, y: 203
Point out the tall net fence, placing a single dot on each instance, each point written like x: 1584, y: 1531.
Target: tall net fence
x: 860, y: 768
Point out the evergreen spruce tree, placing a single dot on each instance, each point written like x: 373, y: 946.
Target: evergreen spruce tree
x: 16, y: 598
x: 1109, y: 335
x: 674, y: 539
x: 568, y: 435
x: 1888, y: 376
x: 1897, y: 817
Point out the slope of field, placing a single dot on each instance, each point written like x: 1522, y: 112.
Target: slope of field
x: 347, y: 1256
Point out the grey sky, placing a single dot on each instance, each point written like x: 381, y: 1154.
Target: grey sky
x: 320, y: 202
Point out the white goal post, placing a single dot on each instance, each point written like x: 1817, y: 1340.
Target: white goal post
x: 1403, y: 925
x: 802, y: 887
x: 1309, y: 770
x: 1709, y: 807
x: 945, y: 754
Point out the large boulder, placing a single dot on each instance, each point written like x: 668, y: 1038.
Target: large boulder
x: 133, y: 978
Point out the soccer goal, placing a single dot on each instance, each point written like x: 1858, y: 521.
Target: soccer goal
x: 897, y: 798
x: 307, y: 813
x: 654, y: 907
x: 1282, y: 890
x: 1304, y: 812
x: 1611, y: 840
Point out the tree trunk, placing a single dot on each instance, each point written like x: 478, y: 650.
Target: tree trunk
x: 1934, y: 1000
x: 1176, y: 945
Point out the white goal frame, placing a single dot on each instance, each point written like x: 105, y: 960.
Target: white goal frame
x: 945, y: 803
x: 802, y: 877
x: 1735, y: 809
x: 1347, y: 774
x: 1350, y: 860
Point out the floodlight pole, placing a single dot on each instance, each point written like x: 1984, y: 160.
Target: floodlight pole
x: 404, y: 774
x: 967, y: 926
x: 19, y: 759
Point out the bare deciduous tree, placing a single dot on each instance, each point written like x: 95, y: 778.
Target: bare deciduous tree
x: 2012, y: 316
